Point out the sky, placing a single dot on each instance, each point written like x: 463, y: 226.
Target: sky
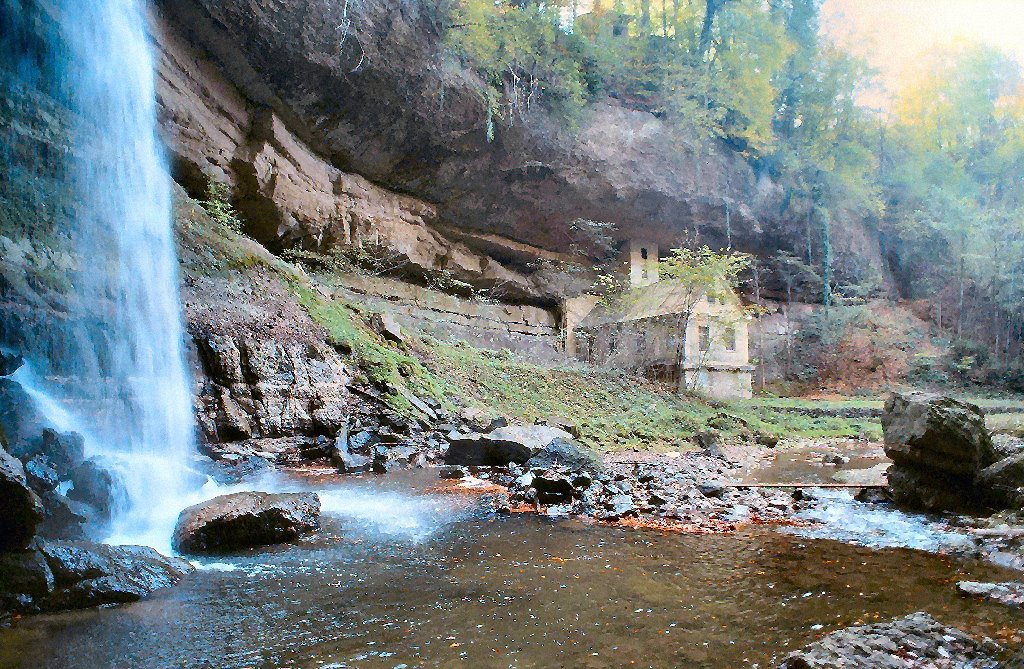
x: 893, y: 34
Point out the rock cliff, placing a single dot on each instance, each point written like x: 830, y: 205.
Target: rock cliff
x: 338, y: 122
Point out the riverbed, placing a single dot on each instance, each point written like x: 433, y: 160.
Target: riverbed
x: 403, y: 575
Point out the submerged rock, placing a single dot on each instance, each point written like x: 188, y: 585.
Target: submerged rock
x: 917, y: 640
x: 21, y: 511
x: 938, y: 445
x: 1008, y: 594
x: 502, y: 446
x: 245, y: 519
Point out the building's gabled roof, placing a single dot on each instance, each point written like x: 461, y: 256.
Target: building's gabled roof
x: 657, y: 299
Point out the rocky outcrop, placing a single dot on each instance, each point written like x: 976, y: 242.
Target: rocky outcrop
x: 62, y: 575
x: 289, y: 194
x: 40, y: 458
x: 502, y: 446
x: 291, y: 101
x: 264, y: 388
x: 938, y: 445
x: 245, y: 519
x: 392, y: 105
x: 917, y: 640
x: 565, y: 453
x: 21, y: 511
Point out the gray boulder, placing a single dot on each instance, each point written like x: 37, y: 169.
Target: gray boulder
x: 244, y: 519
x: 388, y: 458
x: 344, y: 459
x: 61, y: 575
x: 87, y: 574
x: 502, y: 446
x: 98, y: 486
x: 1003, y: 482
x: 10, y: 363
x: 350, y: 463
x: 1006, y: 445
x: 20, y: 508
x: 938, y: 446
x: 917, y: 640
x: 565, y: 453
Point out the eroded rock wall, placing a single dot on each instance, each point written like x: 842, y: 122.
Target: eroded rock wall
x: 289, y: 195
x: 369, y: 87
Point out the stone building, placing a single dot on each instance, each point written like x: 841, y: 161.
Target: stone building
x: 644, y: 332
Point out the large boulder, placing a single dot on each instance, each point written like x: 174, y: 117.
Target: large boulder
x: 87, y: 574
x: 245, y: 519
x: 20, y: 508
x: 917, y: 640
x: 503, y: 446
x: 938, y: 445
x: 1003, y: 482
x: 61, y: 575
x: 565, y: 453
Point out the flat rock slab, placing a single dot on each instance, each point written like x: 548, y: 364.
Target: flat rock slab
x: 87, y: 574
x: 917, y: 641
x: 245, y: 519
x: 1009, y: 594
x: 62, y: 575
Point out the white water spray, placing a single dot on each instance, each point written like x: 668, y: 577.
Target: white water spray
x: 137, y: 413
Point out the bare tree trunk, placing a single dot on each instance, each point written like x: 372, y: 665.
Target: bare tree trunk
x: 789, y: 329
x: 711, y: 9
x: 960, y: 309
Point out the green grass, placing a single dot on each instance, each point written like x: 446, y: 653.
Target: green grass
x: 768, y: 401
x: 387, y: 365
x: 1008, y: 423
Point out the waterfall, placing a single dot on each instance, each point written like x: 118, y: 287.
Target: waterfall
x: 124, y: 332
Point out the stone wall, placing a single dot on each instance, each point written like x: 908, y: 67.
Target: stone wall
x: 532, y: 332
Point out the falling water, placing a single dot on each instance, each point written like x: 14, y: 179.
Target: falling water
x: 136, y: 410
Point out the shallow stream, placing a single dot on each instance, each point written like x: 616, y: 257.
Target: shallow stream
x: 405, y: 576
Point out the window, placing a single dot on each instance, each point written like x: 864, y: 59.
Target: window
x: 643, y: 254
x: 730, y: 338
x: 704, y: 340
